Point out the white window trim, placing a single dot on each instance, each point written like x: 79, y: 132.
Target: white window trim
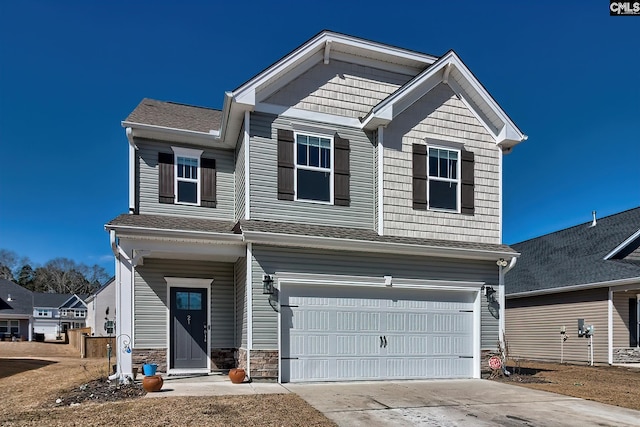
x: 458, y: 181
x: 313, y: 168
x: 188, y: 153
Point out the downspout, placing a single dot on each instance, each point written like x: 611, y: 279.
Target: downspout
x: 116, y: 253
x: 502, y: 299
x: 132, y: 171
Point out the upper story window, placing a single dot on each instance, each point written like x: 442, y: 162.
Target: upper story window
x: 186, y: 178
x: 80, y: 313
x: 43, y: 313
x: 444, y: 179
x: 64, y: 312
x: 314, y: 169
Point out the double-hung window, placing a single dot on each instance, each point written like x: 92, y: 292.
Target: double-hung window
x: 444, y: 179
x: 314, y: 168
x: 187, y: 175
x: 10, y: 327
x: 42, y: 312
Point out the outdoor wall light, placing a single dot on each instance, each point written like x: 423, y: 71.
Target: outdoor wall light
x: 267, y: 284
x: 490, y: 293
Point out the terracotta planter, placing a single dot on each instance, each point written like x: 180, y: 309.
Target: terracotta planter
x: 152, y: 383
x: 237, y: 376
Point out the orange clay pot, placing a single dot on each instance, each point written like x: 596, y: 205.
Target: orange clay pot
x: 152, y: 383
x: 237, y: 376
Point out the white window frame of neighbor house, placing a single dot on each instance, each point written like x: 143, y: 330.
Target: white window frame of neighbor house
x: 43, y: 312
x: 457, y: 180
x: 79, y: 313
x: 190, y: 155
x: 329, y: 170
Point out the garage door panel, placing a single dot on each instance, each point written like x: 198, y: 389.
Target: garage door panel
x: 385, y: 334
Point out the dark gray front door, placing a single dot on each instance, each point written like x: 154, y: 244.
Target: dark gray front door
x: 188, y: 337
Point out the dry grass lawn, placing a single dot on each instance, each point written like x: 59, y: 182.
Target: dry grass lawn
x: 30, y: 387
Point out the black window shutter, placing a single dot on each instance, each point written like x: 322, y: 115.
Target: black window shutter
x: 165, y: 178
x: 208, y: 184
x: 285, y: 165
x: 341, y: 174
x: 467, y: 196
x: 419, y: 176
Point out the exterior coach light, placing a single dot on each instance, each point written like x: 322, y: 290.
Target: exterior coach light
x: 267, y: 284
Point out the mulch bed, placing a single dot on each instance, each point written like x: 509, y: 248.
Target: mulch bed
x: 100, y: 390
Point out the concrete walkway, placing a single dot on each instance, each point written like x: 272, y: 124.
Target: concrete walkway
x: 212, y: 385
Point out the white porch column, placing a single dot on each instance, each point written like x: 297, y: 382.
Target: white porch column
x: 30, y: 328
x: 124, y: 314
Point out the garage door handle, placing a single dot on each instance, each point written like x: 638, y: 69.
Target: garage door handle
x: 381, y: 342
x: 385, y: 341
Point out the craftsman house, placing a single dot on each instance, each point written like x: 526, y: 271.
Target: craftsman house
x: 16, y: 307
x: 338, y: 219
x: 573, y: 294
x: 55, y: 314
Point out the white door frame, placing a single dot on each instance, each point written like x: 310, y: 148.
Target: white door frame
x: 186, y: 282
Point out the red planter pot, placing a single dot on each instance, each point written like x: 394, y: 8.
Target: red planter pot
x: 237, y: 376
x: 152, y: 383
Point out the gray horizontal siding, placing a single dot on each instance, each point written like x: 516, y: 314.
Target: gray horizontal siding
x: 440, y: 116
x: 147, y: 183
x: 533, y: 325
x: 269, y: 260
x: 241, y: 302
x: 239, y: 176
x: 264, y: 177
x: 150, y: 300
x: 339, y: 88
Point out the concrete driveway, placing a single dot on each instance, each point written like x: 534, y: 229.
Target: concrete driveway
x: 455, y: 403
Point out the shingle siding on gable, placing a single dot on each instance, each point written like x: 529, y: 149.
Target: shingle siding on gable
x: 447, y: 119
x: 263, y: 163
x: 148, y: 181
x: 339, y: 88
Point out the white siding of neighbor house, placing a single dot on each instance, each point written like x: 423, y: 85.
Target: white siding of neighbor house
x: 151, y: 302
x: 339, y: 88
x: 440, y: 116
x: 533, y: 326
x: 147, y: 182
x: 264, y: 177
x: 239, y: 176
x: 271, y: 260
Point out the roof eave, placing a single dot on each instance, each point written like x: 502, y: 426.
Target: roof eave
x: 133, y: 231
x: 573, y: 288
x: 319, y: 242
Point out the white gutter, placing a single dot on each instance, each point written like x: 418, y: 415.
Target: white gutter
x: 213, y: 135
x: 132, y: 170
x: 608, y: 283
x: 622, y: 245
x: 277, y: 239
x: 161, y: 232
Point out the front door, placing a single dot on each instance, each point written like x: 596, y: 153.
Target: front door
x: 188, y: 331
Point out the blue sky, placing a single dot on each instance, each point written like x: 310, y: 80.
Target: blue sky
x: 70, y: 71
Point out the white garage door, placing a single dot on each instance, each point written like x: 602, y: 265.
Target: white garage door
x: 334, y: 334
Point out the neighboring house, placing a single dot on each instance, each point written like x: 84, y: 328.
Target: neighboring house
x: 590, y: 272
x: 16, y: 320
x: 54, y: 314
x: 339, y: 219
x: 101, y: 310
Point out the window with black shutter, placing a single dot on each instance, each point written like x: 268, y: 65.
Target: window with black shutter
x: 186, y: 178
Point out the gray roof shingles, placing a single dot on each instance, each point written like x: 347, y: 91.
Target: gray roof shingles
x: 174, y: 115
x: 21, y: 299
x: 166, y: 222
x: 574, y: 256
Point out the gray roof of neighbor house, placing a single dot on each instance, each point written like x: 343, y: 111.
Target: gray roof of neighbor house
x: 49, y: 300
x: 575, y: 256
x: 172, y: 223
x: 21, y: 303
x: 174, y: 115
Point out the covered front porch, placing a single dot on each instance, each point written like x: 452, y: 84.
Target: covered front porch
x: 624, y: 316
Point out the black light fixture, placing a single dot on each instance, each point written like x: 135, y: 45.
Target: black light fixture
x: 267, y: 284
x: 490, y: 293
